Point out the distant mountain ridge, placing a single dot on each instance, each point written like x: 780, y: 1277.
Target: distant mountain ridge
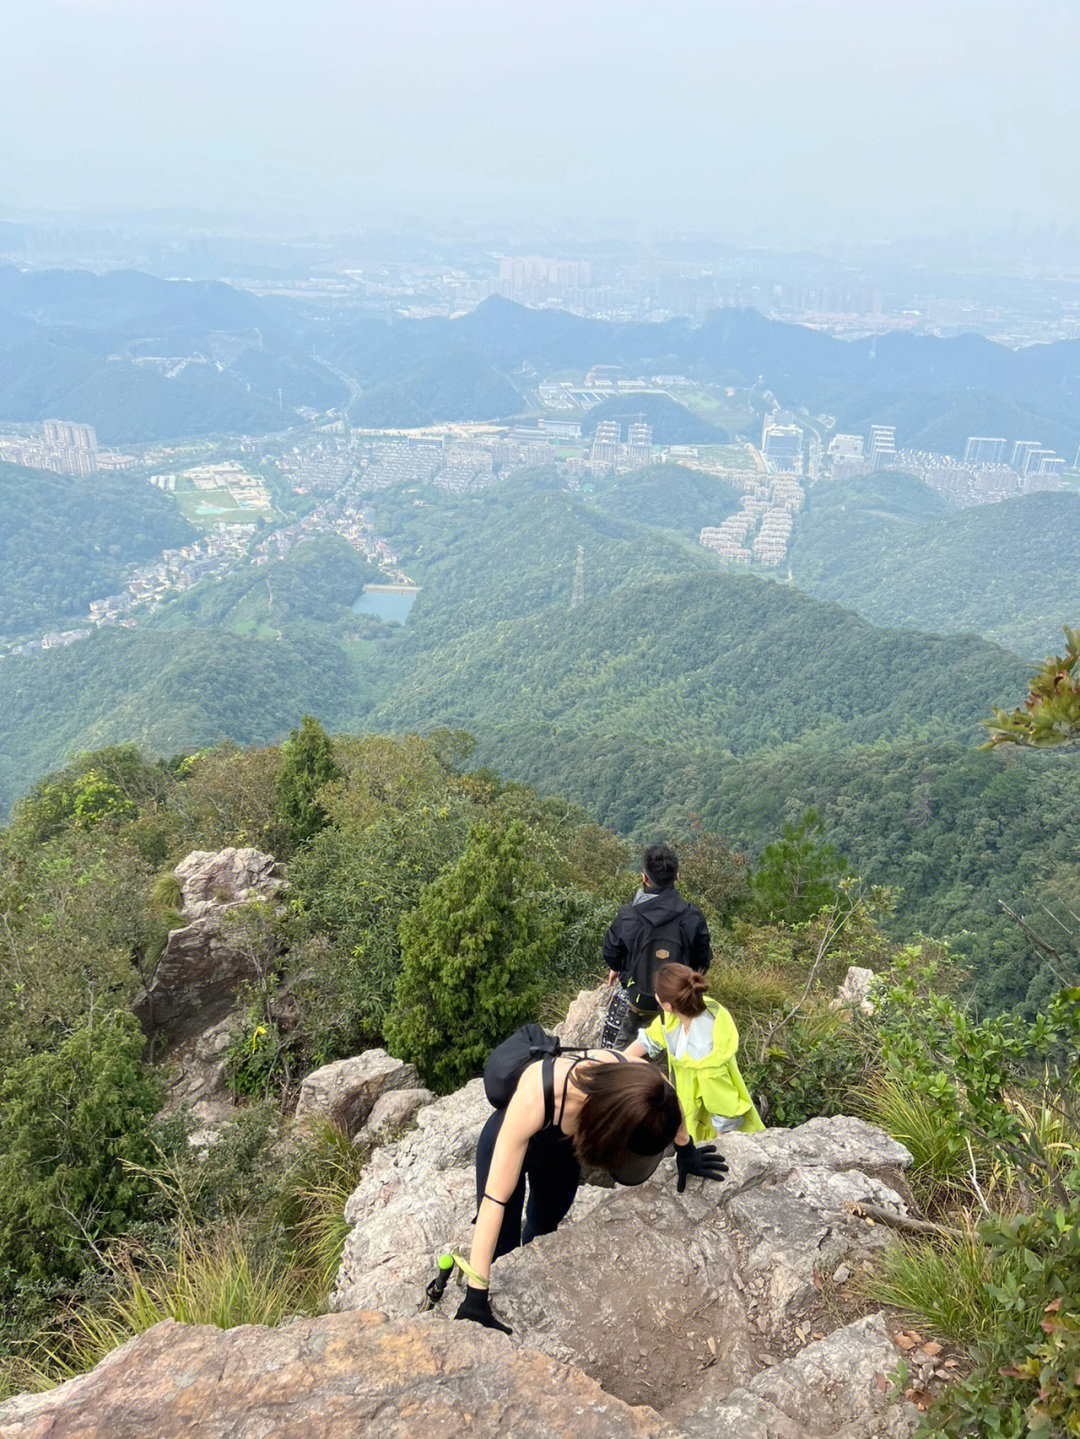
x: 68, y: 335
x: 896, y: 552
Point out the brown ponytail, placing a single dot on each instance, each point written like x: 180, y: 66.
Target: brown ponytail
x: 681, y: 987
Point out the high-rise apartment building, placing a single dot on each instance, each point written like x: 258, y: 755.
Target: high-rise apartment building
x: 639, y: 445
x: 882, y: 446
x: 605, y: 448
x: 63, y: 435
x: 1020, y: 451
x: 981, y: 450
x: 1034, y: 461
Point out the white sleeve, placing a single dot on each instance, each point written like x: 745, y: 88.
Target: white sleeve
x: 652, y: 1049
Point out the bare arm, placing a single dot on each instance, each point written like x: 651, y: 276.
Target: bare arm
x: 524, y: 1117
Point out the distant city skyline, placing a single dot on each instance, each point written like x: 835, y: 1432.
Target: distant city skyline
x: 782, y: 122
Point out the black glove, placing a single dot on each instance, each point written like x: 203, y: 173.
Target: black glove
x: 706, y: 1162
x: 477, y: 1306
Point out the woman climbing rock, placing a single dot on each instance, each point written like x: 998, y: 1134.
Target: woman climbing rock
x: 600, y: 1109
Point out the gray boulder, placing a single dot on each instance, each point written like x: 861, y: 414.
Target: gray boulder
x: 211, y: 878
x: 660, y: 1297
x: 346, y: 1091
x: 855, y: 990
x: 392, y: 1109
x: 585, y: 1019
x: 836, y: 1388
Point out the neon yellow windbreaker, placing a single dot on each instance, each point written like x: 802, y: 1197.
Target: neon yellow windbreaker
x: 712, y: 1085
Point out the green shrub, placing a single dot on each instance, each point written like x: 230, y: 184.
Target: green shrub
x: 315, y: 1193
x: 1017, y: 1303
x: 225, y: 1279
x: 307, y: 763
x: 940, y: 1164
x: 200, y: 1188
x: 797, y: 875
x: 812, y: 1069
x: 72, y: 1120
x: 474, y: 953
x: 256, y: 1061
x: 749, y: 991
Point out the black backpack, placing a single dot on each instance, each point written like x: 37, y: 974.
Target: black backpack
x: 509, y: 1060
x: 656, y: 945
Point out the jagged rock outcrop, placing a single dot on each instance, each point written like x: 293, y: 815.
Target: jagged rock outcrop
x: 585, y: 1018
x: 742, y: 1265
x: 339, y: 1377
x: 205, y: 961
x: 210, y: 878
x: 345, y: 1092
x: 724, y: 1311
x: 198, y: 1065
x: 847, y: 1376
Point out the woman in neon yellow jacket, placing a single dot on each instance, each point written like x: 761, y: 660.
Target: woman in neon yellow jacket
x: 700, y: 1041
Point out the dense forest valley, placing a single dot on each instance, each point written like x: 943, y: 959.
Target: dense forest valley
x: 668, y: 697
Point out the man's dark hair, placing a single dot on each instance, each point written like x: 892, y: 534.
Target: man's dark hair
x: 660, y: 865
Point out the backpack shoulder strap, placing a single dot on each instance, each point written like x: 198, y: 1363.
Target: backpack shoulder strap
x: 547, y: 1079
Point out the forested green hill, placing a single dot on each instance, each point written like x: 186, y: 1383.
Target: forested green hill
x: 674, y: 689
x: 65, y: 542
x: 715, y: 659
x: 163, y: 691
x: 890, y: 548
x: 229, y: 660
x: 512, y: 550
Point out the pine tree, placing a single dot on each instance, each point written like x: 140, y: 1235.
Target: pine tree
x: 307, y: 764
x: 798, y: 874
x: 474, y: 953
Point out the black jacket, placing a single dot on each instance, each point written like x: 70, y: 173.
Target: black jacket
x: 632, y: 927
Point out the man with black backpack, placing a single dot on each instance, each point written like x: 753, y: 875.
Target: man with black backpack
x: 657, y: 927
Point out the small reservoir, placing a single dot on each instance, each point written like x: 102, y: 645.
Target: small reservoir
x: 389, y: 603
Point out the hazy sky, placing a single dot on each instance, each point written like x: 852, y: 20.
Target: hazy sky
x: 804, y: 120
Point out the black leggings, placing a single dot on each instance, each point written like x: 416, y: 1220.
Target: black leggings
x: 553, y: 1172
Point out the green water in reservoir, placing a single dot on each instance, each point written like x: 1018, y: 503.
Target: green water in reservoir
x: 390, y: 606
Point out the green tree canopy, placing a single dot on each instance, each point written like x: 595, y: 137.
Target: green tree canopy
x: 798, y: 874
x: 69, y: 1119
x: 307, y: 763
x: 474, y: 953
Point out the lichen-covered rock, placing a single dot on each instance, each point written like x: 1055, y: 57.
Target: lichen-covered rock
x: 635, y: 1282
x: 416, y: 1196
x: 584, y: 1020
x: 211, y: 878
x: 337, y: 1377
x: 345, y: 1092
x: 197, y: 1066
x: 392, y: 1109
